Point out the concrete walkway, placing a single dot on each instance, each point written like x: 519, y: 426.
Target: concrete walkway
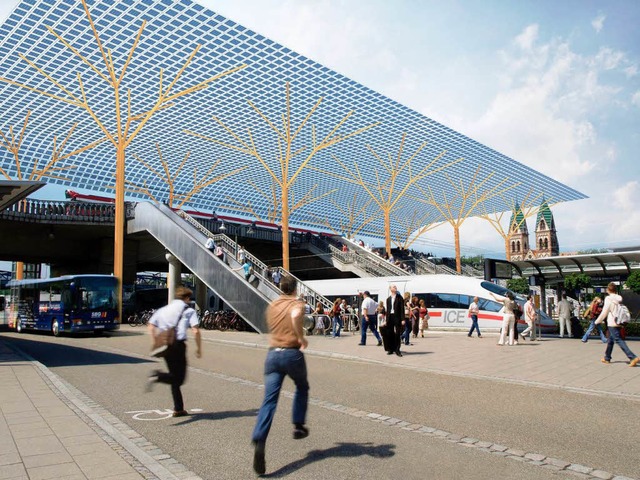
x: 41, y: 437
x: 552, y: 362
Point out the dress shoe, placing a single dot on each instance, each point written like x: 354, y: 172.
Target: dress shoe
x: 180, y: 413
x: 362, y: 344
x: 380, y: 343
x: 389, y: 353
x: 259, y: 464
x: 300, y: 431
x: 398, y: 353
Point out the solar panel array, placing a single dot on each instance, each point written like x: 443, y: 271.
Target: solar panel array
x: 172, y: 31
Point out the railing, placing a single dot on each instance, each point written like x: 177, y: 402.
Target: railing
x: 48, y: 211
x: 260, y: 269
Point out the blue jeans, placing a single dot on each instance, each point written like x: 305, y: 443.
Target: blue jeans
x: 406, y: 334
x: 474, y: 326
x: 337, y: 326
x: 372, y: 322
x: 614, y: 337
x: 592, y: 325
x: 280, y: 363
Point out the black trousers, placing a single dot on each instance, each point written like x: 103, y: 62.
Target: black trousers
x: 176, y: 359
x: 391, y: 334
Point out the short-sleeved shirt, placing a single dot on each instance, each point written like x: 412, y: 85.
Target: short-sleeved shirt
x: 177, y: 312
x: 370, y: 305
x: 473, y: 308
x: 276, y: 276
x: 247, y: 269
x: 210, y: 244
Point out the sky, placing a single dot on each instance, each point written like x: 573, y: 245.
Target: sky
x: 553, y: 84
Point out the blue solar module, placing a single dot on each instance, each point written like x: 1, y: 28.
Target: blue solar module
x: 173, y: 30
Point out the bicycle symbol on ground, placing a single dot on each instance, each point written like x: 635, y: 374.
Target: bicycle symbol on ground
x: 155, y: 415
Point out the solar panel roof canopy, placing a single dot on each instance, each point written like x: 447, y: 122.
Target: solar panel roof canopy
x: 173, y: 29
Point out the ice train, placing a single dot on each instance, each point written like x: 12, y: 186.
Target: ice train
x: 447, y: 297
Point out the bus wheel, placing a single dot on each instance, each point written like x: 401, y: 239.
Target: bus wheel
x: 55, y: 328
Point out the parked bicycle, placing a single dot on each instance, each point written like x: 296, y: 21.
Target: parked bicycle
x: 140, y: 318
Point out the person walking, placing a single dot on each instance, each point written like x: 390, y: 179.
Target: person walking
x: 508, y: 317
x: 369, y: 320
x: 276, y: 276
x: 284, y: 358
x: 564, y: 315
x: 241, y: 254
x: 336, y: 319
x: 415, y: 316
x: 592, y: 313
x: 473, y: 313
x: 424, y: 317
x: 530, y: 316
x: 406, y: 332
x: 395, y: 322
x: 609, y: 311
x: 210, y: 244
x: 179, y: 315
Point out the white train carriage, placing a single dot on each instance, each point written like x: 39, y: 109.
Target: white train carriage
x: 447, y: 297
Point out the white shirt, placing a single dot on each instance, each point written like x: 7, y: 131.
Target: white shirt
x: 210, y: 244
x: 370, y: 305
x: 177, y: 312
x: 473, y: 308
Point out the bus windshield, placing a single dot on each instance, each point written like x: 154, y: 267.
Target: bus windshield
x: 97, y: 293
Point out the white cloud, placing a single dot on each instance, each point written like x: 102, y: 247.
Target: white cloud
x: 635, y: 98
x: 598, y: 22
x: 527, y: 38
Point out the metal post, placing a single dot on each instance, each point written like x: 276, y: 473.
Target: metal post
x: 173, y: 277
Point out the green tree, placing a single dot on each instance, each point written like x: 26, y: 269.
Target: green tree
x: 577, y: 281
x: 518, y: 285
x: 633, y: 282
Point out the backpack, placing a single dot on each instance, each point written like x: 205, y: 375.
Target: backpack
x: 622, y: 315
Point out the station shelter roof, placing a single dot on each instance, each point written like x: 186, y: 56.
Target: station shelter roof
x: 173, y: 29
x: 602, y: 265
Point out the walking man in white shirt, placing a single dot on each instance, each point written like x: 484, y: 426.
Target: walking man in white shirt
x: 369, y: 319
x: 473, y: 313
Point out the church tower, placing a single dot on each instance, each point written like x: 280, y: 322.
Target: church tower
x: 546, y: 238
x: 518, y: 236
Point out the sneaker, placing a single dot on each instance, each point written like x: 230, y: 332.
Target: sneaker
x: 180, y: 413
x: 259, y: 465
x: 300, y: 432
x: 584, y: 341
x: 634, y: 362
x: 604, y: 360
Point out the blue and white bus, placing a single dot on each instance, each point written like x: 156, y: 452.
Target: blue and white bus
x: 69, y: 304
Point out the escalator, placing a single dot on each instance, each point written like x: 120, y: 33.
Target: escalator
x: 186, y: 243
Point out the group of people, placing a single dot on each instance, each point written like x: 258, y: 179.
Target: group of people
x: 287, y: 341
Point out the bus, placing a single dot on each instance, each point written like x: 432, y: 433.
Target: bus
x: 447, y: 297
x: 68, y: 304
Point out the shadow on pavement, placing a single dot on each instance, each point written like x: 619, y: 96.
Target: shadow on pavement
x: 341, y: 450
x: 63, y: 355
x: 213, y: 416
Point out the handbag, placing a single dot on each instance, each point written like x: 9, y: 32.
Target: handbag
x: 382, y: 321
x: 163, y: 339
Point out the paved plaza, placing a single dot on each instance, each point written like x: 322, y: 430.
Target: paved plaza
x: 73, y: 408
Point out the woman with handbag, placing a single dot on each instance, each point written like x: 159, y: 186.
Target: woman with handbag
x: 423, y: 312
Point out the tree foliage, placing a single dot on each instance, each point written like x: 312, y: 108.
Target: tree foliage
x: 633, y: 282
x: 518, y: 285
x: 577, y: 281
